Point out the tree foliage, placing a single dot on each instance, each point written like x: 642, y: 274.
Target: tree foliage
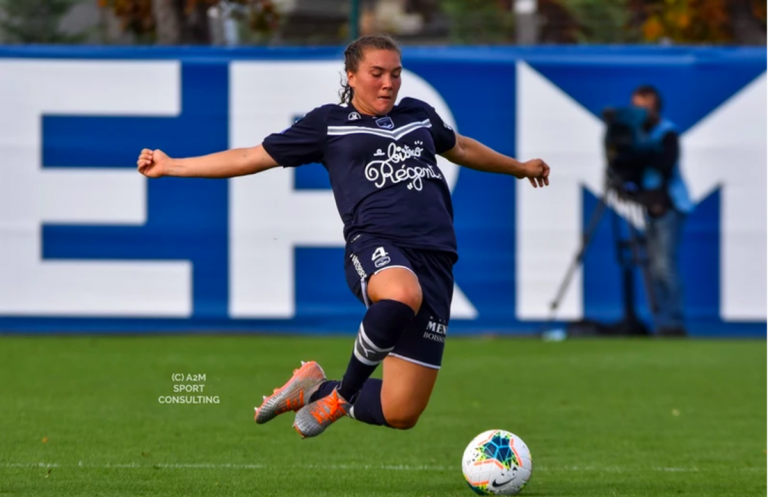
x: 487, y: 21
x: 479, y: 21
x: 604, y: 21
x: 689, y: 21
x: 35, y: 21
x: 652, y: 21
x: 183, y: 21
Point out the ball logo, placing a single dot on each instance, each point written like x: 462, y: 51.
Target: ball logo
x: 500, y: 482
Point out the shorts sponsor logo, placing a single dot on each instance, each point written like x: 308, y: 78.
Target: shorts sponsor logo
x: 359, y: 267
x: 382, y: 262
x: 436, y: 330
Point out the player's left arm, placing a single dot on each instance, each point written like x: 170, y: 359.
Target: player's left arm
x: 474, y: 155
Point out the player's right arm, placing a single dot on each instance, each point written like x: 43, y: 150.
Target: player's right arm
x: 302, y: 143
x: 227, y: 164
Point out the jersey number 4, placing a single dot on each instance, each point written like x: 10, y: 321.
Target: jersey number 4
x: 379, y: 253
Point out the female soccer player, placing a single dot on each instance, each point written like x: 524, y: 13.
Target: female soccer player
x: 398, y: 226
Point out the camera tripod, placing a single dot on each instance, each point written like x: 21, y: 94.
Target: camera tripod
x: 630, y: 253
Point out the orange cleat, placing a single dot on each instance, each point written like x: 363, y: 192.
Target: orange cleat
x: 316, y: 417
x: 292, y: 395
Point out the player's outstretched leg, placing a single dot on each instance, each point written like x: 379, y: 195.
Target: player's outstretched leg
x: 396, y: 402
x: 381, y: 327
x: 397, y: 297
x: 293, y: 395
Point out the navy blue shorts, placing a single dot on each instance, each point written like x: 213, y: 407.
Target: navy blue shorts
x: 424, y: 339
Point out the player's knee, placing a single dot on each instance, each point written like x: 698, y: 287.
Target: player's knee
x: 402, y: 413
x: 409, y: 295
x: 403, y: 421
x: 396, y: 284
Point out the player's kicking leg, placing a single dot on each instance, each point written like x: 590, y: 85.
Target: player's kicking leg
x: 397, y: 297
x: 397, y: 401
x: 294, y: 394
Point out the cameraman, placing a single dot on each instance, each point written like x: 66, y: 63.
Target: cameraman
x: 667, y: 204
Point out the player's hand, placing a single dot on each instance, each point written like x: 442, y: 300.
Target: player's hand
x: 153, y: 163
x: 537, y: 172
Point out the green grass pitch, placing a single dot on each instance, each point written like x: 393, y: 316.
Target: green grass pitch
x: 81, y: 416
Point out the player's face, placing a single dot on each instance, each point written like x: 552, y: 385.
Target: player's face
x: 376, y: 82
x: 647, y: 102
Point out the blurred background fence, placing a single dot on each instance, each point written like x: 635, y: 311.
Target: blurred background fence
x: 327, y: 22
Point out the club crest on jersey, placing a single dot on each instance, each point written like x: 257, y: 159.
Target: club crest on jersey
x: 385, y: 122
x: 353, y: 116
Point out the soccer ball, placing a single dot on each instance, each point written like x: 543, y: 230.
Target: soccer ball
x: 497, y: 462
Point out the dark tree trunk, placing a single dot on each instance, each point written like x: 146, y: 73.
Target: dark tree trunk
x: 747, y: 29
x: 169, y: 21
x: 197, y: 28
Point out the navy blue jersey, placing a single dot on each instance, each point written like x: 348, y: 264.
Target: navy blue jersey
x: 383, y: 170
